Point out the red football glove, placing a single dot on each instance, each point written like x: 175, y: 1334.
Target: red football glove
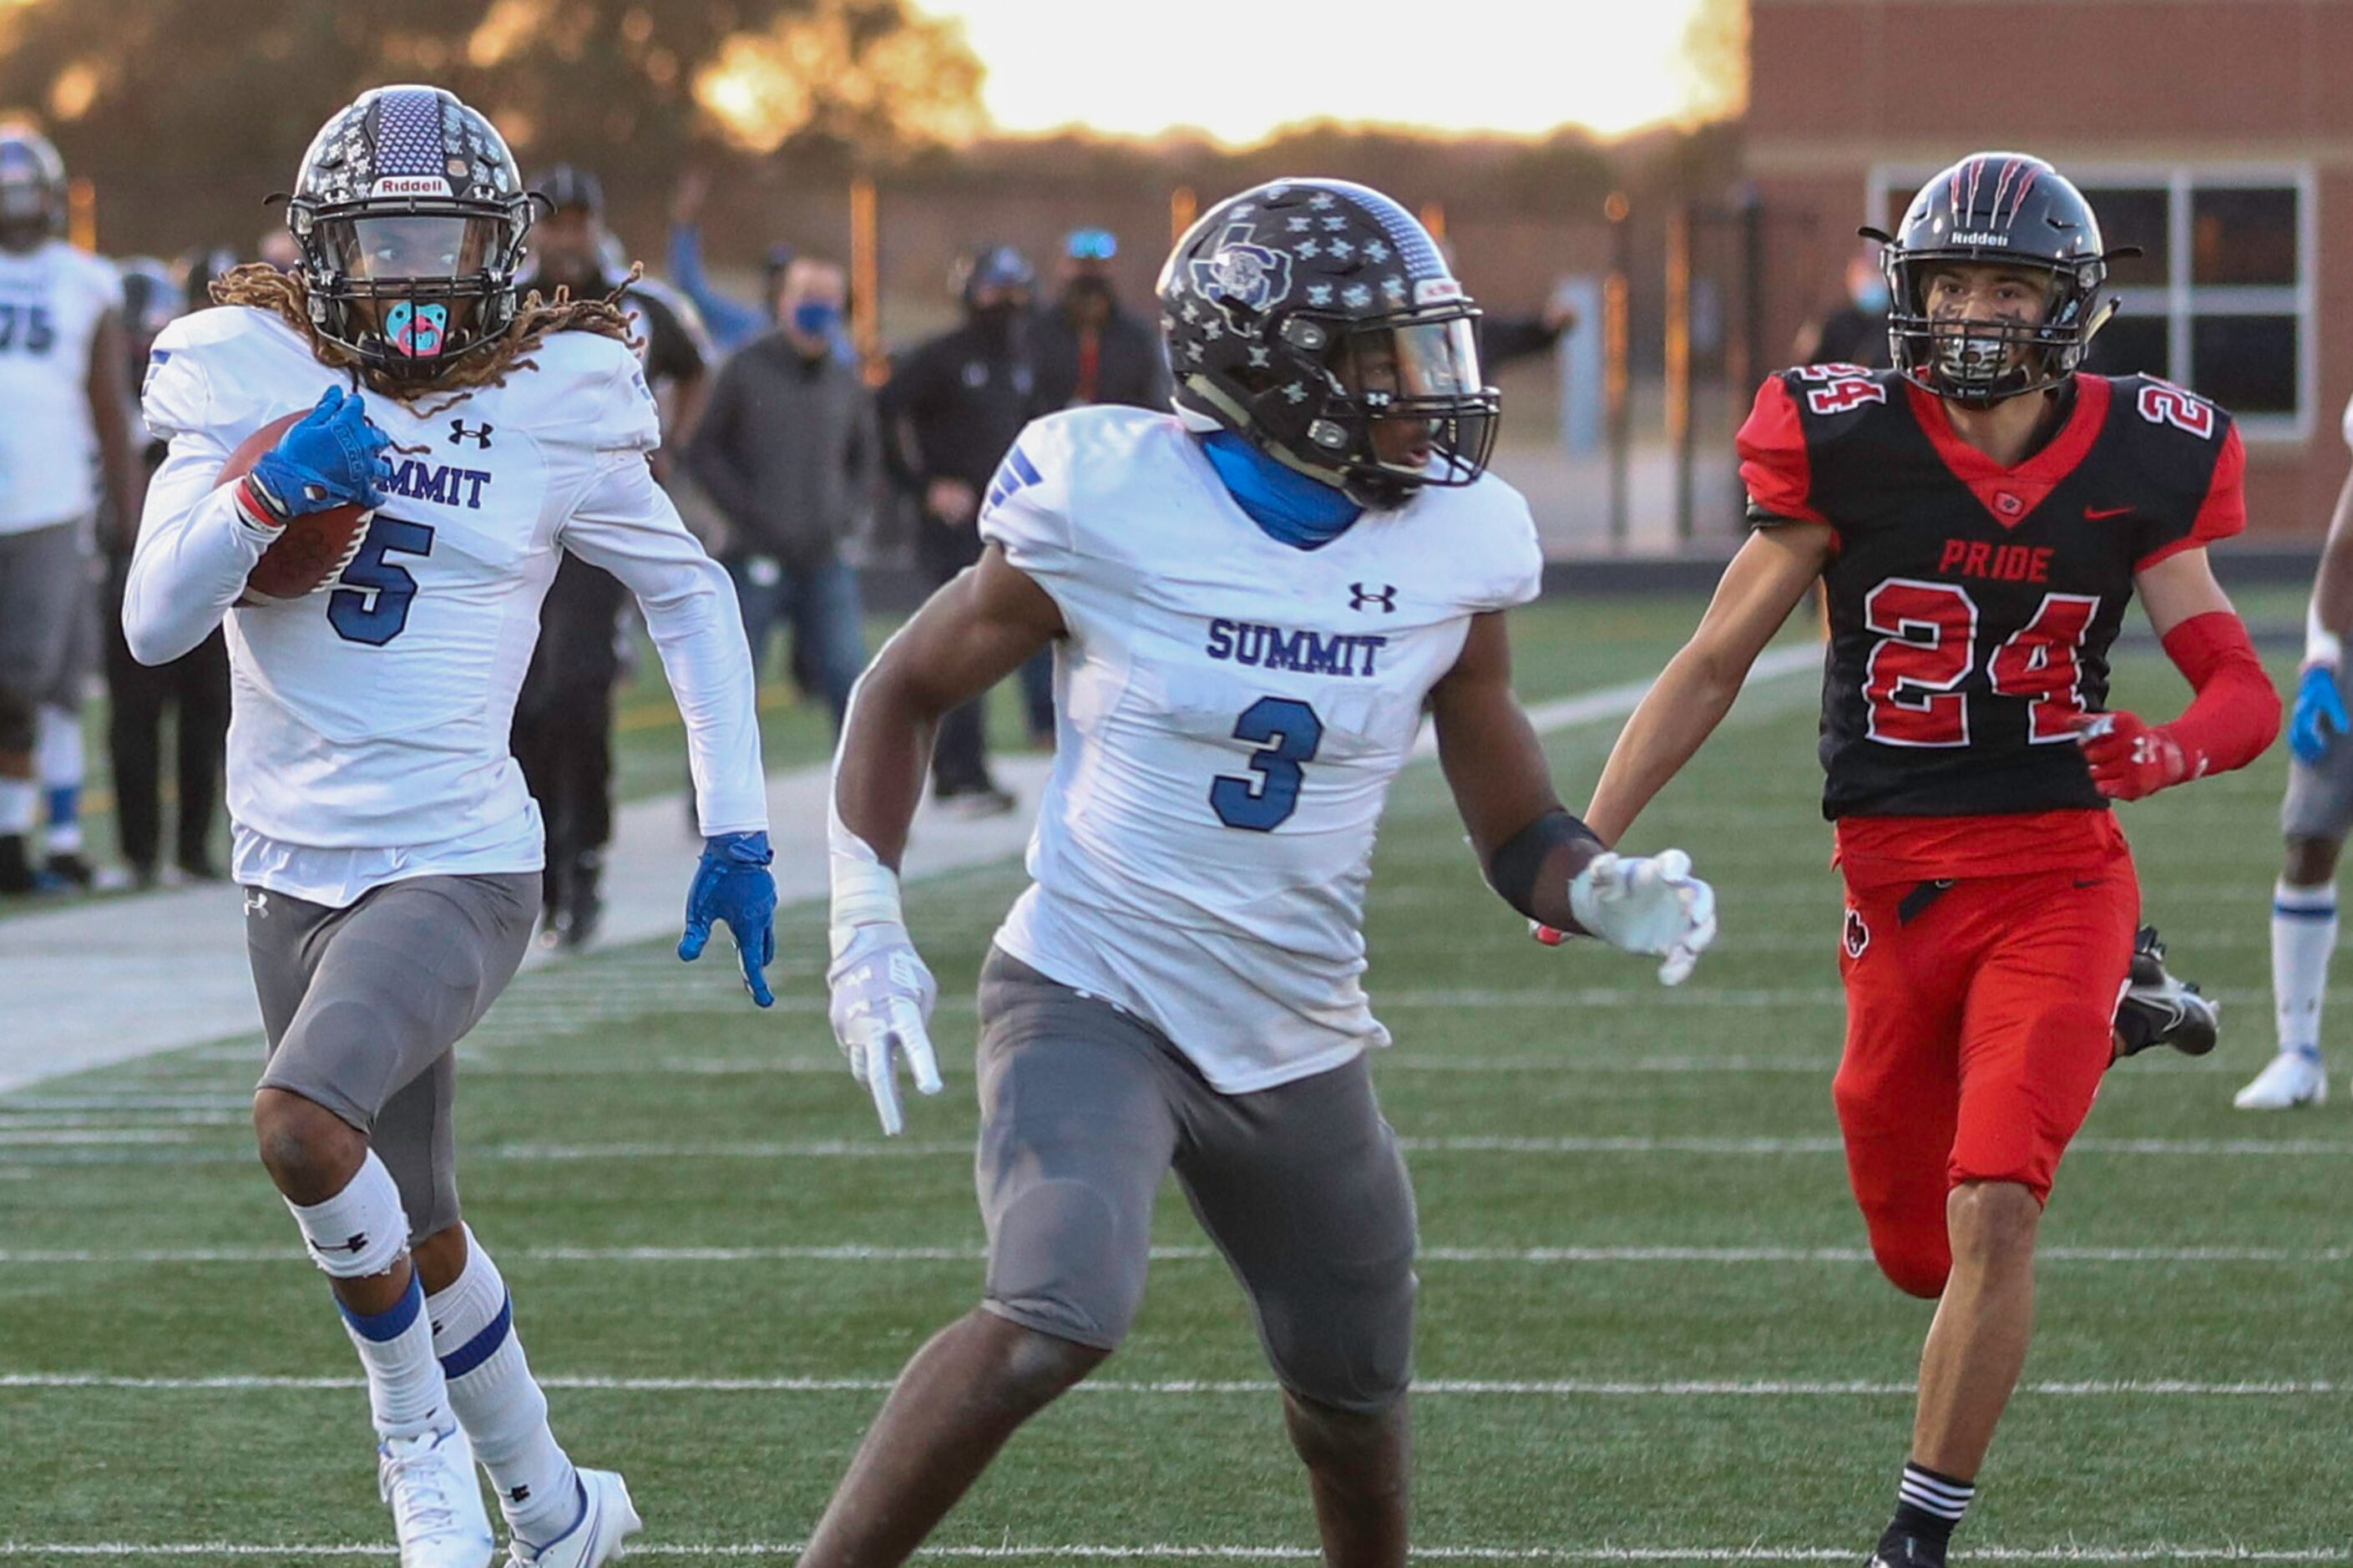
x: 2130, y: 759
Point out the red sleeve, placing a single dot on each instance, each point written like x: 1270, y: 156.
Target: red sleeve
x: 2224, y: 511
x: 2236, y: 712
x: 1773, y: 462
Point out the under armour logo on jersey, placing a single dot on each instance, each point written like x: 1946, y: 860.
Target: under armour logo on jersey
x: 256, y: 903
x: 1360, y: 596
x: 460, y: 435
x: 1858, y: 935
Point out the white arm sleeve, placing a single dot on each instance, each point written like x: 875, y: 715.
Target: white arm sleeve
x: 627, y: 526
x: 194, y: 548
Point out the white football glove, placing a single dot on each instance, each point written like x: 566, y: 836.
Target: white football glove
x: 882, y: 997
x: 1647, y: 903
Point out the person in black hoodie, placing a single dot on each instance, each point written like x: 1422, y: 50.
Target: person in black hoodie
x: 788, y: 449
x: 563, y: 717
x: 950, y: 411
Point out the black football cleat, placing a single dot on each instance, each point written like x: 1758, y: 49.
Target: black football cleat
x: 2159, y: 1010
x: 1899, y: 1549
x: 68, y: 869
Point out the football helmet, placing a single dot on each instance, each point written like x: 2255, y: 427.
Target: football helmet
x: 411, y: 214
x: 1317, y: 320
x: 32, y: 188
x: 2002, y: 209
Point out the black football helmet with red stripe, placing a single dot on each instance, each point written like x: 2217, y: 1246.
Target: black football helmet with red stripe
x: 2001, y: 209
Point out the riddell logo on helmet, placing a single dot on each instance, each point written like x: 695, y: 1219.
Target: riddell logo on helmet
x: 410, y: 185
x: 1981, y: 240
x: 1436, y: 290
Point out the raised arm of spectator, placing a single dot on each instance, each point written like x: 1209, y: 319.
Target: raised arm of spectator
x: 732, y: 323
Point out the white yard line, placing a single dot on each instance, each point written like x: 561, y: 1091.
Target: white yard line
x: 1187, y: 1388
x: 857, y: 1254
x: 1167, y: 1551
x: 63, y: 972
x: 877, y: 1148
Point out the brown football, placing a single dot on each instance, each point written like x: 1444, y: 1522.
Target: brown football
x: 312, y: 551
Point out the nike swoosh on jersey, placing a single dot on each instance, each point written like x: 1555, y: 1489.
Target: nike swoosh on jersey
x: 2096, y: 513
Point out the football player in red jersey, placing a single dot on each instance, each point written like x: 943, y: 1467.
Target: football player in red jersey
x: 1980, y: 516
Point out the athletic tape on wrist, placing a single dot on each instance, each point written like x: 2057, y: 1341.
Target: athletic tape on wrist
x: 865, y: 890
x: 2321, y: 646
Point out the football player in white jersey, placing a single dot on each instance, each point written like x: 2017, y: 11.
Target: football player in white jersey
x: 1252, y: 604
x: 62, y: 403
x: 389, y: 851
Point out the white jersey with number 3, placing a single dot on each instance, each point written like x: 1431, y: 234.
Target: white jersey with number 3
x: 369, y: 737
x: 1230, y: 714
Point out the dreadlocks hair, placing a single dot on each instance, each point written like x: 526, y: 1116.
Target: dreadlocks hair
x: 286, y: 296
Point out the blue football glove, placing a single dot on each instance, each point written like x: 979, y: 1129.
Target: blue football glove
x: 2319, y: 714
x: 731, y: 885
x: 333, y: 458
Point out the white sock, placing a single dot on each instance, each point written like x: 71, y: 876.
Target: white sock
x: 500, y: 1405
x: 18, y: 800
x: 58, y: 757
x: 406, y: 1397
x: 362, y: 1232
x: 2304, y: 934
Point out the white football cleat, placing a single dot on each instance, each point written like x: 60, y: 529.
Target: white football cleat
x: 606, y: 1518
x: 2293, y: 1079
x: 436, y: 1504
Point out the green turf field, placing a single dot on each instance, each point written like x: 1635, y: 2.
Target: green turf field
x: 1647, y: 1334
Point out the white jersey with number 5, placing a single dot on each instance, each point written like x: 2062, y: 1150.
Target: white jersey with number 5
x: 368, y: 741
x: 1230, y: 714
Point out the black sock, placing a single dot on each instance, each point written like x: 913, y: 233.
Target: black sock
x: 1928, y: 1504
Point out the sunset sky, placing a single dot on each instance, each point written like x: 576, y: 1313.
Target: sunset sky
x: 1240, y: 68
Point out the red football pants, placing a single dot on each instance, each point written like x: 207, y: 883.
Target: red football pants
x: 1978, y: 1030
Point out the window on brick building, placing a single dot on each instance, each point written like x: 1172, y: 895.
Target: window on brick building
x: 2220, y: 301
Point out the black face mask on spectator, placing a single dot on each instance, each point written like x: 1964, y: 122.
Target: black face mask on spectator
x: 995, y: 322
x: 1088, y: 296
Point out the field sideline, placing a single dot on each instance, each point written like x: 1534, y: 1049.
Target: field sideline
x: 1650, y: 1332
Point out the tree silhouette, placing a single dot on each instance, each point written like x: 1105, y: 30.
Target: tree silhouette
x: 160, y: 101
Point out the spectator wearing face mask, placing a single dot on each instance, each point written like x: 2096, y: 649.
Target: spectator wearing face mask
x: 1856, y: 332
x: 949, y: 413
x: 788, y: 450
x: 1090, y: 349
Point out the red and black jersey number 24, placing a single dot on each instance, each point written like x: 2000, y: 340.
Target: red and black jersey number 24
x: 1928, y: 632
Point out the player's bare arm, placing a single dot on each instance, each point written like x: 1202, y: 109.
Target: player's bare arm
x: 2320, y: 718
x: 1502, y: 783
x: 110, y: 394
x: 1692, y: 694
x: 969, y: 636
x: 1540, y: 859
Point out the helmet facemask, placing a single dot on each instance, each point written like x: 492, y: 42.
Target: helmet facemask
x: 1404, y: 405
x: 1978, y: 361
x: 411, y: 290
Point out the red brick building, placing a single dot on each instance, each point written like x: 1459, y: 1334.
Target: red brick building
x: 2215, y: 134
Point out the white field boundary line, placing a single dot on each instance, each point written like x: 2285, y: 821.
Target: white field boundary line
x: 1163, y: 1552
x: 903, y: 1148
x: 1181, y: 1388
x: 854, y: 1253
